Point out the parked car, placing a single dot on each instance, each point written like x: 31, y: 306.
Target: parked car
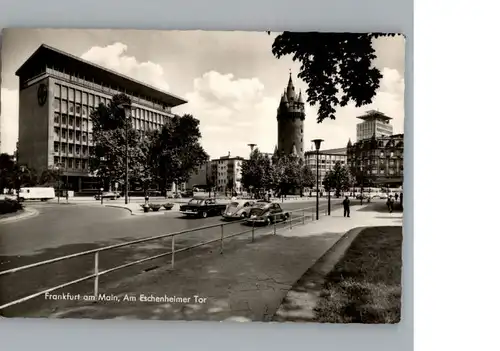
x: 266, y: 213
x: 238, y: 209
x: 108, y: 195
x: 187, y: 193
x: 202, y: 207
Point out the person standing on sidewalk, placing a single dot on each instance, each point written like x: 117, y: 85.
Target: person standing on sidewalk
x: 390, y: 203
x: 347, y: 209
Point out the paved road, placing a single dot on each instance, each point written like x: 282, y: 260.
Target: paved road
x: 64, y: 229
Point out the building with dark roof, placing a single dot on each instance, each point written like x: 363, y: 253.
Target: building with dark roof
x: 374, y: 122
x: 290, y: 116
x: 58, y: 92
x: 377, y: 161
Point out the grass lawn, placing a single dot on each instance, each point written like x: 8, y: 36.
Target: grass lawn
x: 365, y: 285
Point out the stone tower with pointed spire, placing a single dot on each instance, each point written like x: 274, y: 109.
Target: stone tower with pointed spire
x: 291, y: 115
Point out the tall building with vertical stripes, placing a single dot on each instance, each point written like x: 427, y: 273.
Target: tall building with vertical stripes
x: 57, y: 94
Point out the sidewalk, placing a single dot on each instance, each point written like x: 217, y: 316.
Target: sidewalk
x: 246, y: 283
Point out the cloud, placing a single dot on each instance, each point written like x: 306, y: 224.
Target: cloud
x: 234, y: 112
x: 114, y: 57
x: 9, y: 110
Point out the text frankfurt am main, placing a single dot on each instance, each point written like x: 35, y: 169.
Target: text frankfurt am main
x: 146, y: 298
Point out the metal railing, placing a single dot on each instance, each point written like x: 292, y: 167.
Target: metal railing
x: 288, y: 223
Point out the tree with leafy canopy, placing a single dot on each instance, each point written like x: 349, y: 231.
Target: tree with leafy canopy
x: 307, y: 179
x: 286, y: 175
x: 176, y: 151
x: 256, y: 173
x: 337, y: 179
x: 337, y: 67
x: 111, y: 131
x: 210, y: 180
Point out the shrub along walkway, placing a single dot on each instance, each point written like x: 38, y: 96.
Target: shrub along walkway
x: 27, y: 212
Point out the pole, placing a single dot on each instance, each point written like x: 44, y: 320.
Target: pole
x: 96, y: 273
x: 173, y: 252
x: 126, y: 159
x: 329, y: 206
x: 67, y: 190
x: 317, y: 184
x: 58, y: 186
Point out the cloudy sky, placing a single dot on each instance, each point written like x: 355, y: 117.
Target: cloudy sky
x: 231, y: 80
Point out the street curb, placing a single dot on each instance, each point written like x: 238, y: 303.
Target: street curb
x: 132, y: 213
x: 26, y: 213
x: 299, y: 303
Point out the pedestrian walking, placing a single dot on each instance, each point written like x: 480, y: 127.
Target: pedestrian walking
x: 390, y: 204
x: 347, y: 209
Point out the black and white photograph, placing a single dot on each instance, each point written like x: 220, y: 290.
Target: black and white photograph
x: 202, y: 175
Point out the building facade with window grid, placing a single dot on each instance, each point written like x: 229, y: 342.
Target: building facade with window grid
x: 327, y: 160
x: 378, y: 161
x: 374, y: 122
x: 57, y: 94
x: 225, y: 170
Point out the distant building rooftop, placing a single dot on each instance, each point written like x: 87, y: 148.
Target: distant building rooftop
x: 337, y: 151
x: 46, y: 56
x: 373, y: 114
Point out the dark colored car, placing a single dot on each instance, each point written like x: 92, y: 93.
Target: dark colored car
x: 265, y: 213
x: 187, y: 193
x: 202, y: 207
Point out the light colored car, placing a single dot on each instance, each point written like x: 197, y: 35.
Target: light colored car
x: 238, y: 209
x: 107, y: 195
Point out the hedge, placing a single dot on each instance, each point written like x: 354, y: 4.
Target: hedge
x: 9, y: 206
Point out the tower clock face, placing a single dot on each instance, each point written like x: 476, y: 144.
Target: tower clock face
x: 42, y: 94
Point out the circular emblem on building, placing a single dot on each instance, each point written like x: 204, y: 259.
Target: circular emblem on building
x: 42, y: 94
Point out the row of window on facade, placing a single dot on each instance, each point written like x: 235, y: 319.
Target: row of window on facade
x: 72, y: 122
x: 67, y: 92
x: 71, y: 163
x: 76, y: 101
x: 373, y: 171
x: 70, y: 149
x: 62, y: 133
x: 381, y: 162
x: 381, y: 154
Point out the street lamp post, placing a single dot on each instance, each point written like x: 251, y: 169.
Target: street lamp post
x: 362, y: 182
x: 252, y: 146
x: 317, y: 144
x: 57, y: 168
x: 127, y: 108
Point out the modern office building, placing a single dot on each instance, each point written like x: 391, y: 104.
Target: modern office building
x: 226, y: 171
x: 327, y: 160
x: 290, y: 116
x: 57, y: 94
x: 374, y: 122
x: 377, y: 161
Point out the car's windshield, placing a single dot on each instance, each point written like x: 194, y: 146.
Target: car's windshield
x: 195, y: 201
x: 233, y: 205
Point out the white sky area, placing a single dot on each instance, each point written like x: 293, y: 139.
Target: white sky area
x: 231, y: 80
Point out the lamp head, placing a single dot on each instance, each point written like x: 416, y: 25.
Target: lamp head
x: 317, y: 143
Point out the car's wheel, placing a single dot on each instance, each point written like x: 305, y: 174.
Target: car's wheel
x: 243, y: 215
x: 268, y: 221
x: 204, y: 214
